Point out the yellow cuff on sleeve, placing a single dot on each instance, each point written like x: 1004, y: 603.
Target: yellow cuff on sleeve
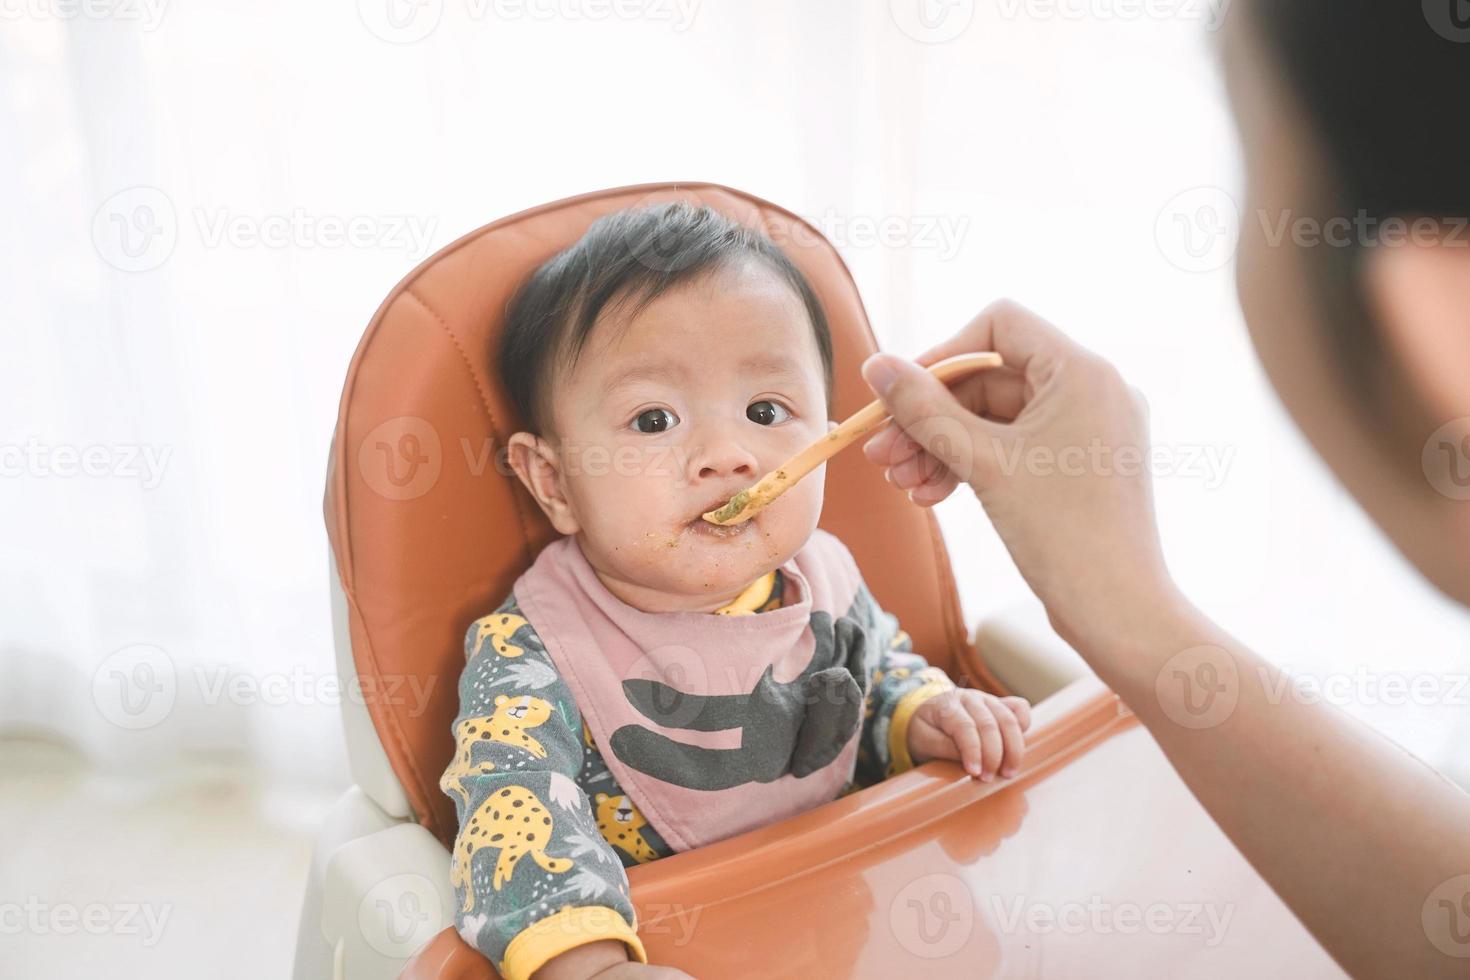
x: 756, y: 595
x: 572, y: 926
x: 935, y: 683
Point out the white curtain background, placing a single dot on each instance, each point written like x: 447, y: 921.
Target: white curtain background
x: 180, y: 304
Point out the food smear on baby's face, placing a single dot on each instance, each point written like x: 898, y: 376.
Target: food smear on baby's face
x: 672, y: 411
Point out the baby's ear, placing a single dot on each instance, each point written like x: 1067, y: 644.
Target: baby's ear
x: 538, y: 466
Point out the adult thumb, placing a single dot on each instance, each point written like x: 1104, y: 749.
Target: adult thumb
x: 929, y: 413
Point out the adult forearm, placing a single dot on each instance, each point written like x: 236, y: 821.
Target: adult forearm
x: 1355, y: 834
x: 1358, y: 837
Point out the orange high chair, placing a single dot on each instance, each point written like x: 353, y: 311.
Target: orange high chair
x: 1094, y: 861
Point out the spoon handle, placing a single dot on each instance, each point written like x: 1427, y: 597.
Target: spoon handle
x: 745, y: 504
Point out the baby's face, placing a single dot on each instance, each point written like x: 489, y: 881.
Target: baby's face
x: 667, y: 415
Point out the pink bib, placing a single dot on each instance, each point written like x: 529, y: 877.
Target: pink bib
x: 713, y: 724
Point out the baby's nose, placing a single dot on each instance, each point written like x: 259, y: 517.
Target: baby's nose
x: 730, y: 461
x: 724, y: 456
x: 722, y: 466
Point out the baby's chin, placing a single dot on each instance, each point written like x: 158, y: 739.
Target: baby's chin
x: 693, y: 561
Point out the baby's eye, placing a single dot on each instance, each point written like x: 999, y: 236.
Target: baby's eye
x: 655, y: 424
x: 767, y: 412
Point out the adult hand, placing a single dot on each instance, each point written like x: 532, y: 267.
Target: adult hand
x: 1054, y: 445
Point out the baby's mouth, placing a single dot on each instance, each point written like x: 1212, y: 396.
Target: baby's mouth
x: 702, y: 527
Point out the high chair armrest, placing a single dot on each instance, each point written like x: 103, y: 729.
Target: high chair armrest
x: 384, y: 896
x: 1019, y: 647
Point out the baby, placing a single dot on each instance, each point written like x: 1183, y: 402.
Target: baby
x: 655, y: 683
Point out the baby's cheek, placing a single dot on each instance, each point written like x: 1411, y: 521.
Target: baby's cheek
x: 618, y: 524
x: 809, y: 495
x: 788, y: 523
x: 638, y: 520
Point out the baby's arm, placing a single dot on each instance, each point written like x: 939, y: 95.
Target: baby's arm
x: 899, y: 680
x: 534, y: 880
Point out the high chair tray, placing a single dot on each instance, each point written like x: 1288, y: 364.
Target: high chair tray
x: 1094, y: 861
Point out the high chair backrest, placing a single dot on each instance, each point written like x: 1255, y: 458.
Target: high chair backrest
x: 429, y: 528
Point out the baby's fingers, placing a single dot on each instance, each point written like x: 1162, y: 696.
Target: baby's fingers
x: 947, y: 713
x: 1021, y: 708
x: 1013, y: 743
x: 992, y: 744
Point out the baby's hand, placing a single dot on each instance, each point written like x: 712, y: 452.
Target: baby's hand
x: 641, y: 971
x: 980, y: 730
x: 605, y: 959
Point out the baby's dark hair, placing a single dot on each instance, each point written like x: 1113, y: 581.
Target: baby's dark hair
x: 628, y: 257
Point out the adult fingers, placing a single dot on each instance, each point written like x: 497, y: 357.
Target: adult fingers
x: 1011, y: 330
